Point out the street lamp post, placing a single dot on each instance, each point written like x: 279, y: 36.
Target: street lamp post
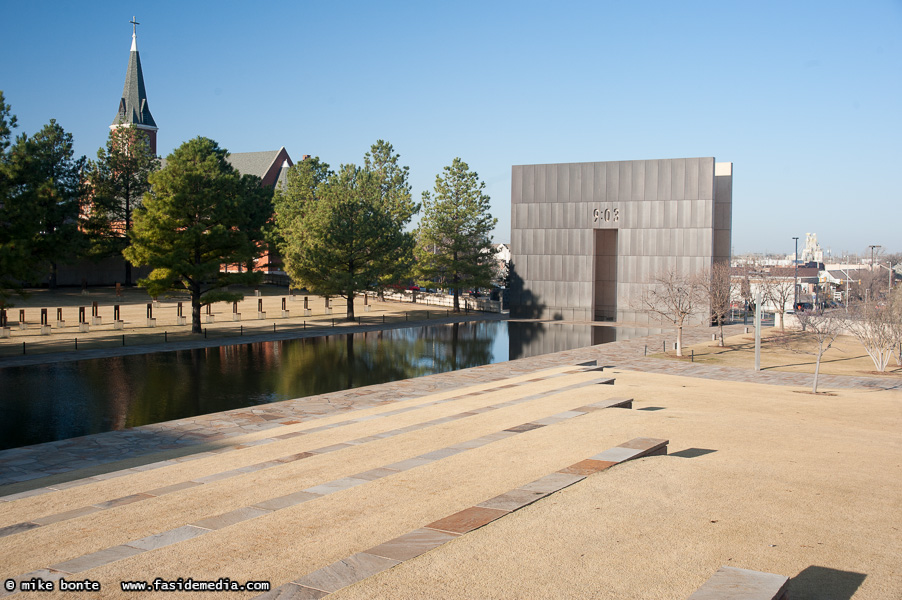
x: 872, y: 247
x: 795, y: 287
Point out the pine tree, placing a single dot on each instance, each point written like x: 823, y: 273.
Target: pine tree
x: 338, y: 242
x: 396, y: 199
x: 194, y: 222
x: 453, y: 243
x: 117, y: 183
x: 291, y: 203
x: 17, y: 231
x: 46, y: 181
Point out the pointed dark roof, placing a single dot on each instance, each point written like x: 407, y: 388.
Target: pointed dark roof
x: 270, y: 166
x: 133, y: 105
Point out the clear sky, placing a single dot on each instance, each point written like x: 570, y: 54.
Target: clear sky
x: 805, y: 98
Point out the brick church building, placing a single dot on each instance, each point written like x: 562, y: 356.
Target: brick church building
x: 270, y: 166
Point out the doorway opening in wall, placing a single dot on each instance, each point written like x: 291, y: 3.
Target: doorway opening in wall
x: 605, y: 271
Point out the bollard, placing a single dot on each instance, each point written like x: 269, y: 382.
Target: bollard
x: 273, y: 327
x: 665, y: 346
x: 693, y: 355
x: 165, y: 336
x: 76, y: 343
x: 123, y: 339
x: 150, y: 310
x: 305, y: 324
x: 23, y: 347
x: 646, y: 350
x: 115, y: 312
x: 205, y: 333
x: 43, y: 316
x: 405, y: 315
x: 383, y: 318
x: 333, y: 322
x: 241, y: 330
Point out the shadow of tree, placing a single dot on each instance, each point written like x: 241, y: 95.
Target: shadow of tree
x: 524, y: 304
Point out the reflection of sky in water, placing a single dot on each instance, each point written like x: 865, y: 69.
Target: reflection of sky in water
x: 51, y: 402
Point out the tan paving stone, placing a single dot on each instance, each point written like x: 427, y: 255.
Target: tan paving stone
x: 96, y: 559
x: 346, y: 572
x: 411, y: 544
x: 173, y: 536
x: 232, y: 517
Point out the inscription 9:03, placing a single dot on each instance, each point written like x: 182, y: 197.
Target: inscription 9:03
x: 607, y: 215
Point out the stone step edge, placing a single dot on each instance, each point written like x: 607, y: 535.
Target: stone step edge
x: 367, y: 563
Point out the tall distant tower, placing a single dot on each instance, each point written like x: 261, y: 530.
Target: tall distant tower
x: 133, y: 109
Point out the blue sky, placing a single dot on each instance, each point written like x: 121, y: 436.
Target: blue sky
x: 805, y: 98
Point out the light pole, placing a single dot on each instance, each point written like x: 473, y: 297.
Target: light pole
x: 872, y: 247
x: 795, y: 287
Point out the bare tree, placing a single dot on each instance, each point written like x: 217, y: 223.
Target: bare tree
x: 718, y: 287
x: 819, y: 331
x: 779, y: 291
x: 873, y: 326
x: 673, y: 297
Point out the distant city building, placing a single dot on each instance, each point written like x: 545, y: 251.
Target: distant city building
x: 587, y: 237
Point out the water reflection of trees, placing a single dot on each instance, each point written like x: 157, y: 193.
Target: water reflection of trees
x: 70, y: 399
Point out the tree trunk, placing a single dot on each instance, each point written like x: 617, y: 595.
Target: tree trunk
x: 195, y: 310
x: 720, y: 323
x: 680, y: 341
x: 817, y: 368
x: 350, y: 316
x: 456, y: 300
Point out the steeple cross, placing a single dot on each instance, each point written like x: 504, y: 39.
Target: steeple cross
x: 135, y: 24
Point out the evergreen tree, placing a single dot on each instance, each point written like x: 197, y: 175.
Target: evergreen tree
x: 337, y: 235
x: 291, y: 203
x: 46, y: 181
x: 453, y: 243
x: 194, y: 222
x: 16, y: 230
x: 395, y: 199
x: 118, y: 182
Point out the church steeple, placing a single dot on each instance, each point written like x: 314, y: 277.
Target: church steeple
x: 133, y: 108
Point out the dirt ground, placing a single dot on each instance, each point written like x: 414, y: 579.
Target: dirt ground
x: 781, y: 352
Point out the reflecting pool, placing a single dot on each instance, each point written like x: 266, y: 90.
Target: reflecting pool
x: 58, y: 401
